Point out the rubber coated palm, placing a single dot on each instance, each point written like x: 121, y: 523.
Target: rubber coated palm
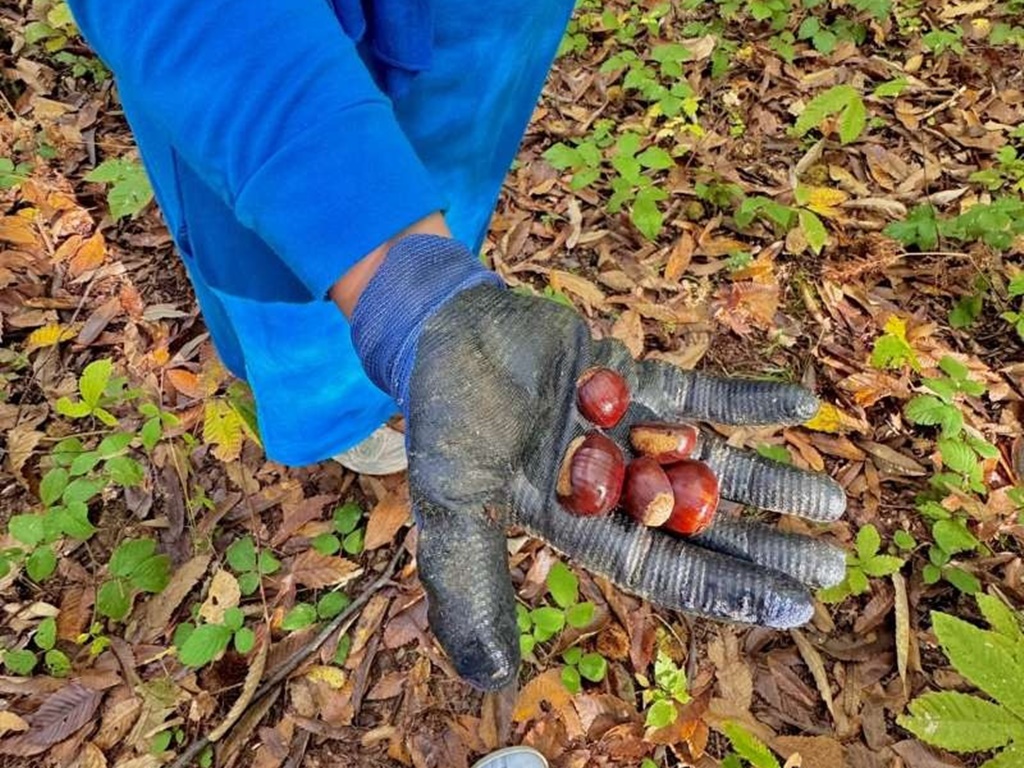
x: 492, y: 407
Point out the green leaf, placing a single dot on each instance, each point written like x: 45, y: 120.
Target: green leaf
x: 952, y: 535
x: 353, y: 543
x: 234, y: 618
x: 84, y: 462
x: 853, y: 120
x: 904, y: 539
x: 341, y: 652
x: 1003, y: 619
x: 73, y: 520
x: 749, y: 747
x: 966, y: 311
x: 931, y: 574
x: 131, y: 195
x: 205, y: 644
x: 661, y: 714
x: 153, y: 574
x: 94, y: 380
x: 670, y: 678
x: 580, y: 615
x: 326, y: 543
x: 562, y: 156
x: 241, y: 555
x: 943, y: 387
x: 248, y: 582
x: 891, y: 88
x: 957, y: 455
x: 573, y: 655
x: 331, y: 604
x: 301, y: 616
x: 868, y: 541
x: 105, y: 416
x: 547, y: 622
x: 593, y: 667
x: 82, y: 489
x: 563, y: 585
x: 775, y: 453
x: 571, y: 679
x: 57, y: 663
x: 882, y: 565
x: 526, y: 644
x: 151, y: 433
x: 645, y: 212
x: 926, y: 410
x: 984, y: 657
x: 130, y: 555
x: 245, y: 640
x: 1016, y: 286
x: 523, y: 620
x: 813, y: 229
x: 114, y: 444
x: 1011, y: 757
x: 824, y: 105
x: 46, y: 633
x: 857, y: 581
x: 347, y: 517
x: 52, y: 486
x: 20, y: 662
x: 960, y: 723
x: 656, y: 158
x: 40, y: 564
x: 835, y: 594
x: 267, y: 563
x: 125, y: 471
x: 114, y: 599
x: 28, y: 529
x: 73, y: 409
x: 962, y: 580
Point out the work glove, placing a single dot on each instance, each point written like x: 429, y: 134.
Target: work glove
x: 487, y: 380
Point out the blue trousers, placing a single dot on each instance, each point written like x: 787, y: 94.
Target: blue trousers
x: 463, y: 88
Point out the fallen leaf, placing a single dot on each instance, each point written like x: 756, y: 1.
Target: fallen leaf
x: 566, y: 281
x: 257, y: 663
x: 118, y: 719
x: 157, y: 611
x: 545, y: 688
x: 815, y: 751
x: 902, y: 626
x: 815, y: 663
x: 830, y: 418
x: 11, y: 722
x: 63, y: 713
x: 388, y: 517
x: 296, y: 514
x: 311, y: 569
x: 89, y: 255
x: 629, y: 329
x: 823, y: 200
x: 97, y: 322
x: 186, y: 382
x: 735, y: 683
x: 224, y: 593
x: 17, y: 230
x: 680, y: 257
x: 49, y: 335
x: 90, y: 756
x: 21, y: 441
x: 75, y: 611
x: 333, y: 676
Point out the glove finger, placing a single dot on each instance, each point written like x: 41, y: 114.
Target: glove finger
x: 807, y: 560
x: 463, y: 563
x: 751, y: 479
x: 673, y: 394
x: 666, y: 570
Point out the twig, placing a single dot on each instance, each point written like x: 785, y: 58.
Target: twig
x: 285, y: 669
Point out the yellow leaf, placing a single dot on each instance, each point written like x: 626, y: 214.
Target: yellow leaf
x: 823, y: 200
x: 896, y: 326
x: 11, y: 722
x: 89, y: 256
x: 49, y: 335
x: 333, y: 676
x: 222, y: 428
x: 831, y: 419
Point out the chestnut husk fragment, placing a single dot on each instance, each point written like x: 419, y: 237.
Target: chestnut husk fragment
x: 695, y: 490
x: 590, y: 479
x: 665, y: 443
x: 647, y: 494
x: 602, y: 396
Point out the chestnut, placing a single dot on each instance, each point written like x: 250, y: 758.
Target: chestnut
x: 647, y: 494
x: 590, y: 479
x: 602, y: 396
x: 695, y: 491
x: 665, y: 443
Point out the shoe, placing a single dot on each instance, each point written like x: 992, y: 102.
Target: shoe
x: 382, y: 453
x: 513, y: 757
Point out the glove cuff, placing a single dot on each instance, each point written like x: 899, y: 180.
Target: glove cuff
x: 419, y: 274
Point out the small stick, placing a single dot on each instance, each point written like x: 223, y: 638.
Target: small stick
x: 284, y: 670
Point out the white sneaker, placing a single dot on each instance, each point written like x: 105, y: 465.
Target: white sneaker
x: 382, y: 453
x: 513, y: 757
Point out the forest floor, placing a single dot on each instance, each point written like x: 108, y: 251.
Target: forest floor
x: 828, y: 193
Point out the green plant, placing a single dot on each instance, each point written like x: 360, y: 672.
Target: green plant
x: 581, y: 666
x: 129, y: 191
x: 938, y: 41
x: 55, y: 30
x: 844, y: 103
x: 861, y: 565
x: 11, y: 174
x: 304, y: 615
x: 891, y: 349
x: 199, y: 644
x: 1006, y: 171
x: 134, y: 567
x: 1016, y: 290
x: 22, y: 662
x: 747, y: 749
x: 348, y: 535
x: 991, y: 660
x: 667, y: 690
x: 546, y: 621
x: 634, y: 186
x: 250, y: 566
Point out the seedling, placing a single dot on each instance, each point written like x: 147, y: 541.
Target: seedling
x: 135, y: 567
x: 662, y: 695
x: 348, y: 535
x: 250, y: 567
x: 862, y: 565
x: 129, y: 191
x: 200, y: 644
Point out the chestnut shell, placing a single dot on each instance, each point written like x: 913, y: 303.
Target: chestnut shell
x: 602, y: 396
x: 696, y: 493
x: 647, y: 494
x: 591, y: 476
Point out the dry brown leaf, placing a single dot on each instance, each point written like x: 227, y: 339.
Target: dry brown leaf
x: 891, y: 461
x: 735, y: 683
x: 224, y: 594
x: 63, y: 713
x: 17, y: 230
x: 186, y: 382
x: 90, y: 756
x: 296, y: 514
x: 567, y: 282
x: 815, y: 663
x: 257, y: 663
x: 98, y: 321
x: 629, y: 329
x: 89, y: 256
x: 680, y: 257
x: 815, y: 751
x: 21, y: 441
x: 118, y: 719
x: 367, y: 626
x: 545, y: 688
x: 157, y: 611
x: 902, y: 626
x: 311, y: 569
x: 75, y: 611
x: 11, y: 722
x: 388, y: 517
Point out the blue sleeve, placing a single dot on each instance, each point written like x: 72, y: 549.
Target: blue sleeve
x: 270, y: 103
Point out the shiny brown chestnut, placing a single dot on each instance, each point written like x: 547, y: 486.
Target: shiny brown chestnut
x: 647, y: 494
x: 602, y: 396
x: 590, y: 479
x: 695, y: 491
x: 665, y: 443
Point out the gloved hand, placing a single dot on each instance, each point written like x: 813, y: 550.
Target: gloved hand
x: 487, y: 379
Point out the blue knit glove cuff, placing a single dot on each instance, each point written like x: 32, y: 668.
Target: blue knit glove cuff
x: 419, y: 274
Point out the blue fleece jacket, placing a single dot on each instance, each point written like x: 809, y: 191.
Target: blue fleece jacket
x: 285, y: 140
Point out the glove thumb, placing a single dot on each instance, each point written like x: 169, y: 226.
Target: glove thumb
x: 463, y: 564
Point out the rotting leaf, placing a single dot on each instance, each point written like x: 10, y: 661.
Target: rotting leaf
x: 311, y: 569
x: 63, y: 713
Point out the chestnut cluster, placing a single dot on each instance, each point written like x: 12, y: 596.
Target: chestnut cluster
x: 661, y: 487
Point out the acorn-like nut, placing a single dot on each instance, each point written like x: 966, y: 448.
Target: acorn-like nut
x: 665, y: 443
x: 590, y: 479
x: 602, y: 396
x: 695, y: 491
x: 647, y: 494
